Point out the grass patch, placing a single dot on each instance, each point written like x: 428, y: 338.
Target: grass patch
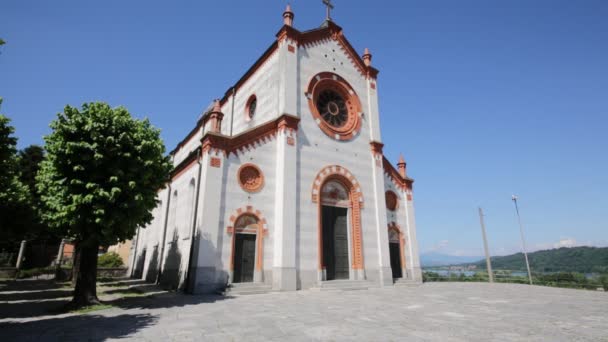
x: 92, y: 308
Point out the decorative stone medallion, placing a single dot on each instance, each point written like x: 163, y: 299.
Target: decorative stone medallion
x: 250, y: 178
x: 391, y: 200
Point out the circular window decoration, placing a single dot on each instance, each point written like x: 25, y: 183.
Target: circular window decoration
x: 391, y: 200
x: 251, y: 106
x: 334, y: 106
x: 250, y: 178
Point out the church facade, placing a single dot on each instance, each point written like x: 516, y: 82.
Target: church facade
x: 283, y: 181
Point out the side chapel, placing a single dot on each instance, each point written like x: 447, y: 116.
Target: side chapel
x: 282, y: 182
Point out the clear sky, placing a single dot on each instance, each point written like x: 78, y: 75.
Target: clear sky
x: 484, y: 98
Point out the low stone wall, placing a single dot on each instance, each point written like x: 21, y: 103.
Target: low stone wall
x: 7, y: 272
x: 102, y: 272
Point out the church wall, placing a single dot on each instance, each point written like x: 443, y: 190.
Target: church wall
x: 190, y: 145
x: 179, y: 228
x: 317, y: 150
x: 264, y: 83
x: 263, y: 156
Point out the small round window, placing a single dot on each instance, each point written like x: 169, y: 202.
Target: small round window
x: 252, y: 104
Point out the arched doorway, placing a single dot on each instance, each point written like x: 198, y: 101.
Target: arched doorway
x: 244, y: 249
x: 335, y: 203
x: 396, y: 245
x: 339, y: 199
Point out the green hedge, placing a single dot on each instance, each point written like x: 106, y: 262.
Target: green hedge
x: 110, y: 260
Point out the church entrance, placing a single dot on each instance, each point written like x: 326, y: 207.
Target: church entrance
x: 244, y: 258
x: 335, y: 243
x: 395, y: 244
x: 395, y: 251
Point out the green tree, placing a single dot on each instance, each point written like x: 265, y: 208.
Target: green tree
x: 29, y: 161
x: 29, y: 164
x: 99, y: 182
x: 14, y: 197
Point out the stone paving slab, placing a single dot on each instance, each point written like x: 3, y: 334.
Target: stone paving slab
x: 430, y: 312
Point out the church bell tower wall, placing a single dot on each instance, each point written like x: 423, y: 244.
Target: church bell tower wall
x: 317, y: 150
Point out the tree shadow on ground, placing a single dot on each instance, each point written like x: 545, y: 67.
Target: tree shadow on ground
x: 166, y: 300
x: 33, y: 295
x: 77, y: 328
x: 28, y: 284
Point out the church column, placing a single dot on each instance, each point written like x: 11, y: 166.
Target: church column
x: 207, y: 273
x: 284, y: 274
x: 384, y: 265
x: 414, y: 271
x: 284, y: 237
x: 379, y: 206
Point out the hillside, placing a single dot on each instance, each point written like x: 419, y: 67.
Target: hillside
x: 574, y: 259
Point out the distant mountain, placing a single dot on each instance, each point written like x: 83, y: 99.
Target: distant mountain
x: 573, y: 259
x: 431, y: 259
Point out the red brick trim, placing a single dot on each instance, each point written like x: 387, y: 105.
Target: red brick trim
x: 328, y: 80
x: 348, y: 180
x: 403, y: 183
x: 395, y: 227
x: 252, y: 169
x: 261, y: 232
x: 392, y: 200
x: 249, y: 138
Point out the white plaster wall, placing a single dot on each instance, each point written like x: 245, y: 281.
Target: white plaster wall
x: 263, y: 156
x: 397, y: 216
x: 189, y: 146
x: 264, y: 83
x: 317, y: 150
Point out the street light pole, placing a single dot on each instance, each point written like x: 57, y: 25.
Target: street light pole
x: 523, y: 241
x: 485, y: 246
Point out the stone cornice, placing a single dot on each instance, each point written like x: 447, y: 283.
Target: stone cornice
x: 220, y: 142
x: 404, y: 183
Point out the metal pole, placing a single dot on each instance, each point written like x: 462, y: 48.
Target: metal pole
x: 523, y: 241
x: 485, y: 246
x: 21, y: 253
x: 60, y: 254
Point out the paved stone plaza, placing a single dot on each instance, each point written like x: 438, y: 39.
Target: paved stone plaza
x: 430, y: 312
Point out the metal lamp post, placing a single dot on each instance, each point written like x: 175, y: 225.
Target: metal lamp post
x: 523, y: 241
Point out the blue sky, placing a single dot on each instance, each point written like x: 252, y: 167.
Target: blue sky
x: 484, y: 98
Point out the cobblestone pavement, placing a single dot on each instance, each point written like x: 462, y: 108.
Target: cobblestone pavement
x: 430, y: 312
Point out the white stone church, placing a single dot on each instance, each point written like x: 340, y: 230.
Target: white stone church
x: 282, y: 182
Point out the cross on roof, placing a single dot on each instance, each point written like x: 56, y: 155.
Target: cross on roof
x: 330, y: 6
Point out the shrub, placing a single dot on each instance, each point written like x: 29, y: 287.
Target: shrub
x: 604, y: 281
x: 109, y: 260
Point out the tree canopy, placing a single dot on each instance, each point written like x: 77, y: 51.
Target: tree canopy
x: 99, y: 181
x: 14, y: 196
x: 102, y: 173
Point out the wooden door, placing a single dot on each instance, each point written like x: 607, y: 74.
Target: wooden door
x: 244, y: 258
x: 335, y: 242
x: 395, y: 250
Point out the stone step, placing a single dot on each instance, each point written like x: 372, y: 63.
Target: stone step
x: 343, y: 285
x: 239, y: 289
x: 406, y: 282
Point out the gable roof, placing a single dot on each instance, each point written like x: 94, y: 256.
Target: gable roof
x: 328, y: 30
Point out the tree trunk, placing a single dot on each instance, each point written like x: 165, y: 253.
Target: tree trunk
x: 75, y: 263
x: 85, y: 293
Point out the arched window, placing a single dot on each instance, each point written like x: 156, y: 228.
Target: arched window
x: 246, y: 224
x: 335, y: 194
x: 173, y: 213
x: 190, y: 205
